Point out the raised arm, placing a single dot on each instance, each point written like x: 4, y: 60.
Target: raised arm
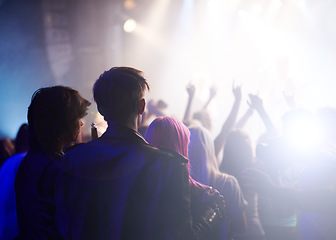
x: 243, y: 120
x: 153, y: 108
x: 290, y: 100
x: 191, y: 94
x: 157, y: 108
x: 257, y: 104
x: 211, y: 96
x: 230, y: 121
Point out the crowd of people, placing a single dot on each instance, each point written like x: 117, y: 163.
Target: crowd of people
x: 152, y: 176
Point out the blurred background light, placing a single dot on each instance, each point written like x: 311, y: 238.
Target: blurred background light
x: 267, y: 46
x: 130, y: 25
x: 129, y: 4
x: 303, y: 131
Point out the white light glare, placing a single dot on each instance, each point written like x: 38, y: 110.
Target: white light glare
x: 303, y: 133
x: 257, y: 9
x: 242, y: 14
x: 301, y: 3
x: 276, y: 3
x: 130, y: 25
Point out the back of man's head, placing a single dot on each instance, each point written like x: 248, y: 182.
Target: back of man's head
x: 118, y: 92
x: 54, y: 118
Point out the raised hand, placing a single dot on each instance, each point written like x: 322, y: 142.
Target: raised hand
x: 212, y: 94
x: 191, y: 90
x: 150, y: 104
x: 255, y: 102
x: 230, y: 121
x: 161, y: 104
x: 290, y: 99
x: 156, y: 108
x: 236, y: 91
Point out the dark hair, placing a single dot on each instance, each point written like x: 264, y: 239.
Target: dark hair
x: 117, y: 93
x: 22, y: 139
x: 53, y: 117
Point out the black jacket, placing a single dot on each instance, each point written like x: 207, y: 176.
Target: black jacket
x: 34, y: 190
x: 120, y: 187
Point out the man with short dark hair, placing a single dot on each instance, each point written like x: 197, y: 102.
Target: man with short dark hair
x: 118, y: 186
x: 119, y: 94
x: 54, y: 120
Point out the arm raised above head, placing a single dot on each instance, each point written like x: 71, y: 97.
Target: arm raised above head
x: 191, y: 93
x: 230, y: 121
x: 212, y: 94
x: 257, y: 103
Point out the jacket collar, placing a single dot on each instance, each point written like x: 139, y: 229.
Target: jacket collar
x: 120, y: 132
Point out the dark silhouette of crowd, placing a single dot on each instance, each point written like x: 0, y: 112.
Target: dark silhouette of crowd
x: 153, y: 176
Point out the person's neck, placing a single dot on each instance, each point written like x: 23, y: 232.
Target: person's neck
x: 130, y: 124
x: 133, y: 125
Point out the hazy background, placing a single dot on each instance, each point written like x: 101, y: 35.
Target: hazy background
x: 267, y: 46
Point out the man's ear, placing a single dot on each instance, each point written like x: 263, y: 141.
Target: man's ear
x: 142, y: 106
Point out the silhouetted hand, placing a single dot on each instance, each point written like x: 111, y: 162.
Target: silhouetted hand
x: 191, y: 90
x: 161, y: 104
x: 156, y: 108
x: 212, y: 94
x: 150, y: 104
x: 290, y: 99
x: 255, y: 102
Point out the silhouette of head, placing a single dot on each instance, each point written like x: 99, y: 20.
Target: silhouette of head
x: 54, y: 118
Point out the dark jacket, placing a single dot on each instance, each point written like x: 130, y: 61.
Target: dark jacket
x: 120, y: 187
x: 34, y: 190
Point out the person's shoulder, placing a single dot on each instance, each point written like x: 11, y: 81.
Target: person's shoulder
x: 80, y: 148
x: 13, y: 161
x: 226, y: 178
x: 227, y: 181
x: 230, y: 178
x: 166, y: 155
x: 37, y: 160
x: 70, y: 148
x: 104, y: 147
x: 229, y: 187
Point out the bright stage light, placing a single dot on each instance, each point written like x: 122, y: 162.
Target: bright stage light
x: 242, y: 13
x: 301, y: 3
x: 276, y: 3
x: 257, y: 9
x: 130, y: 25
x: 303, y: 132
